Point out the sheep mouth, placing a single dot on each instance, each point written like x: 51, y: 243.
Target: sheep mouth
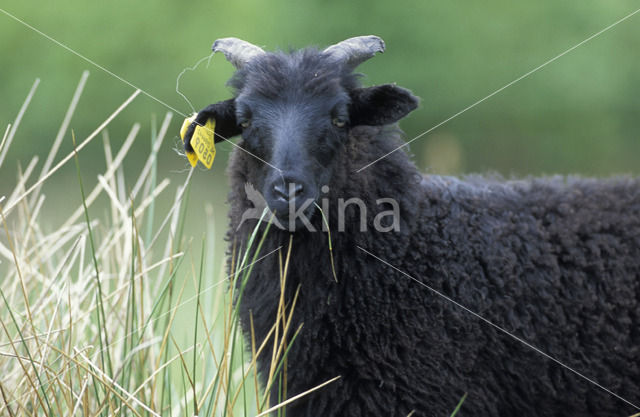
x: 298, y: 217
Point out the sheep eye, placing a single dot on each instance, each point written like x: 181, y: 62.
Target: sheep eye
x: 245, y: 124
x: 338, y: 122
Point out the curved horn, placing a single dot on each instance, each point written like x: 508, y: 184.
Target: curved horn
x: 237, y: 51
x: 354, y: 51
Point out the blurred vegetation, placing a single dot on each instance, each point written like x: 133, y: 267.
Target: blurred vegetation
x: 578, y: 114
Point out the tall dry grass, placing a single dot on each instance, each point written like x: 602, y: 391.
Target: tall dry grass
x: 94, y: 311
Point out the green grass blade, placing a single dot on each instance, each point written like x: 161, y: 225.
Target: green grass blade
x: 100, y: 315
x: 26, y: 348
x: 464, y: 397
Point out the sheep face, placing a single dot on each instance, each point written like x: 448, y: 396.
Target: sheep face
x: 294, y: 112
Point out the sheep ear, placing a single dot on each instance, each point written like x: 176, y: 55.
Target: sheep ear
x: 380, y: 105
x: 224, y: 113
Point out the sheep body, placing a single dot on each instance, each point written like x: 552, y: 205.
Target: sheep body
x: 554, y: 262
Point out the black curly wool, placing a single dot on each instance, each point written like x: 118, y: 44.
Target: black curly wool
x: 555, y: 262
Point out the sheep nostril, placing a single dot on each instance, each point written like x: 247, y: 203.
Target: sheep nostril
x: 288, y: 192
x: 280, y: 191
x: 295, y: 190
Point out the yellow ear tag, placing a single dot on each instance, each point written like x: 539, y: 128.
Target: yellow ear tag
x: 202, y: 142
x: 191, y: 156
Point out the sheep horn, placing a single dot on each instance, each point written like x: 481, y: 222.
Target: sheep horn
x: 355, y: 51
x: 237, y: 51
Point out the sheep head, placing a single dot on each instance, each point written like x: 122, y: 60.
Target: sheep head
x: 294, y: 112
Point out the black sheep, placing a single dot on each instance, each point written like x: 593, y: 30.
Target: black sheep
x: 553, y: 262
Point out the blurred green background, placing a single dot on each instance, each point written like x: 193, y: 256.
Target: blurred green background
x: 577, y: 115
